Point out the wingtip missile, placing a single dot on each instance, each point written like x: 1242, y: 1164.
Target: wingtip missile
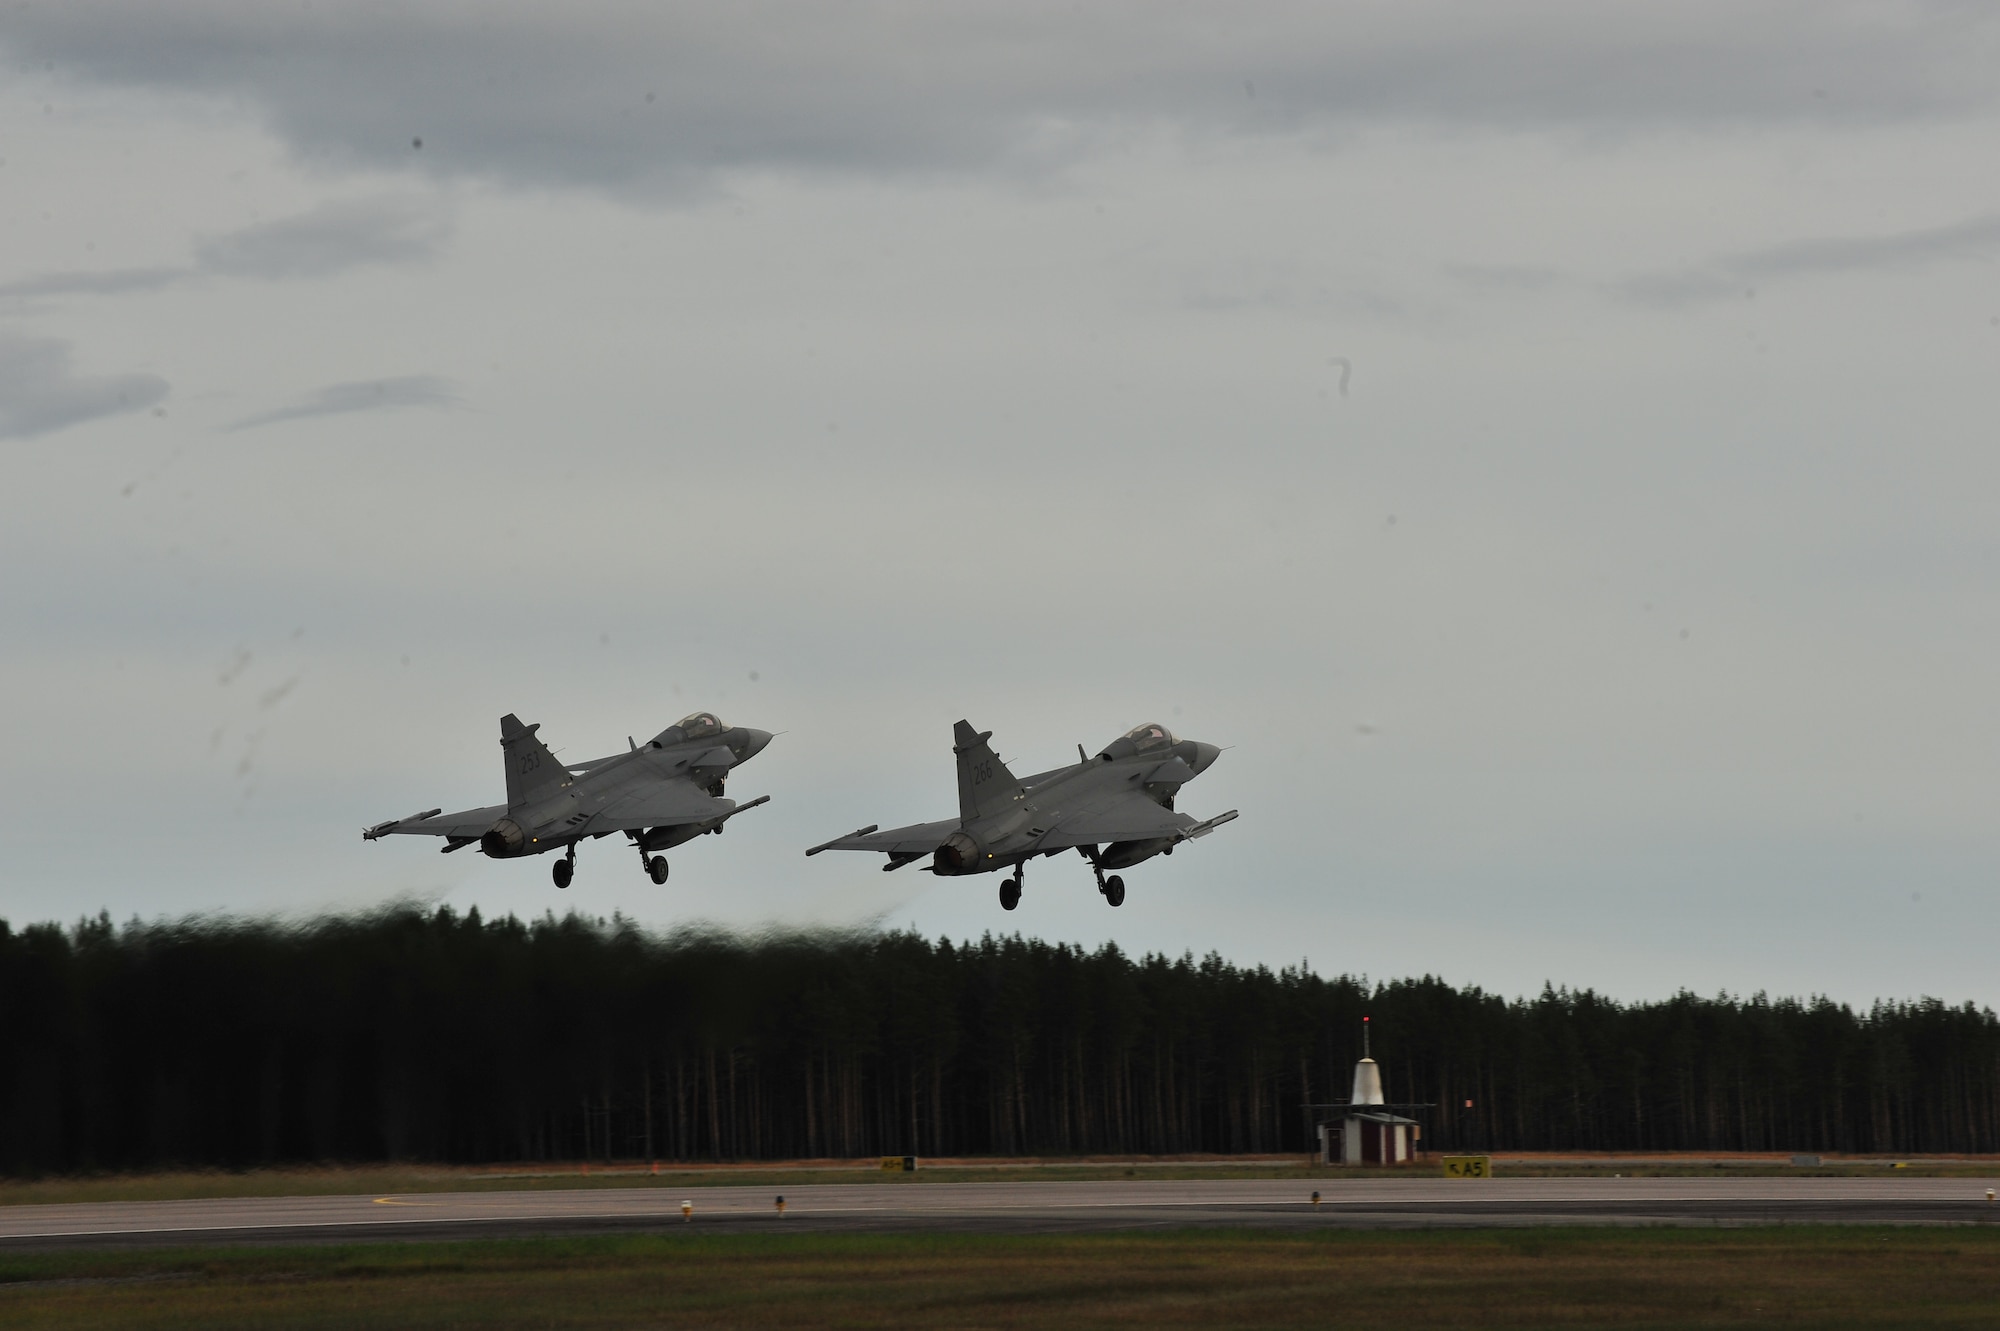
x: 383, y: 829
x: 829, y: 845
x: 1203, y: 829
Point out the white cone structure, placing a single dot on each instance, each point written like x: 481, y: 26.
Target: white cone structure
x: 1367, y: 1083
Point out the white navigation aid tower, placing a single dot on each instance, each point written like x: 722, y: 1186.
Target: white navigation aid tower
x: 1366, y: 1130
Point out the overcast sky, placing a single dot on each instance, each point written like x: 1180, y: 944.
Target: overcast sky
x: 1552, y: 443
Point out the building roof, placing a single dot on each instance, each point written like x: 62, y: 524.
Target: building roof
x: 1371, y: 1115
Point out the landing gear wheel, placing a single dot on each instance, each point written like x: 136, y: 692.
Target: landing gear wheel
x: 656, y: 868
x: 1010, y: 894
x: 564, y: 870
x: 1114, y: 890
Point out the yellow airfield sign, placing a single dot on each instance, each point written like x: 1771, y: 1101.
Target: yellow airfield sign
x: 1468, y: 1166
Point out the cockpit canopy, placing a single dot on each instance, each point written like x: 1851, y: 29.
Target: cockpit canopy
x: 1149, y: 738
x: 699, y: 725
x: 694, y: 726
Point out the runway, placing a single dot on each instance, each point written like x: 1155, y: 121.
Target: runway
x: 1053, y: 1207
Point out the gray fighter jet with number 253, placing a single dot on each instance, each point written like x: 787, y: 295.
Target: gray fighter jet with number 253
x: 1115, y: 810
x: 660, y: 793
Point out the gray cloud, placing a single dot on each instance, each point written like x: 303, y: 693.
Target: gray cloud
x: 616, y: 96
x: 1505, y: 277
x: 323, y: 241
x: 41, y: 393
x: 99, y: 282
x: 1973, y: 238
x: 416, y: 390
x: 1734, y: 275
x: 329, y: 239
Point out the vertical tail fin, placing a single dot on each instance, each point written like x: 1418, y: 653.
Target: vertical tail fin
x: 532, y: 771
x: 984, y: 783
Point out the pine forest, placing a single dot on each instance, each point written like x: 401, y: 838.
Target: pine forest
x: 415, y: 1035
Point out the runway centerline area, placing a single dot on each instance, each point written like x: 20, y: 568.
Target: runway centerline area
x: 1018, y: 1207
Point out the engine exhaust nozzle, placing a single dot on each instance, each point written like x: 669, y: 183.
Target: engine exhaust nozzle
x: 505, y: 838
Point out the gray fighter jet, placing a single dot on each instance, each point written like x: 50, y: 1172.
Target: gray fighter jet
x: 1115, y: 810
x: 660, y: 793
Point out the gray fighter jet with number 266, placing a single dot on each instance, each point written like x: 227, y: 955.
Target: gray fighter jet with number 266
x: 1115, y: 810
x: 659, y: 794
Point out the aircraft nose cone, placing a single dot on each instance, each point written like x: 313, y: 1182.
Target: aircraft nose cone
x: 1204, y: 754
x: 758, y: 739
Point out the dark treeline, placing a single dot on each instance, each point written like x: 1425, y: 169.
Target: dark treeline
x: 439, y: 1037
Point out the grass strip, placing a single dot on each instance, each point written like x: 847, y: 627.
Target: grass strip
x: 1811, y: 1276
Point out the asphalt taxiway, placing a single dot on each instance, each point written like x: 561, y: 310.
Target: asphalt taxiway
x: 1036, y: 1207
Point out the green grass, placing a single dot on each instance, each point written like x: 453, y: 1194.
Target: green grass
x: 1804, y: 1277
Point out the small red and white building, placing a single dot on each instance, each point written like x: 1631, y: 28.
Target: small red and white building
x: 1366, y: 1130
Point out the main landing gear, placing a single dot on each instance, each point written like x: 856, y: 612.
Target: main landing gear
x: 1112, y: 889
x: 565, y: 868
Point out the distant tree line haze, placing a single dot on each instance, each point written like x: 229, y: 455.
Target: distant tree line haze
x: 442, y: 1037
